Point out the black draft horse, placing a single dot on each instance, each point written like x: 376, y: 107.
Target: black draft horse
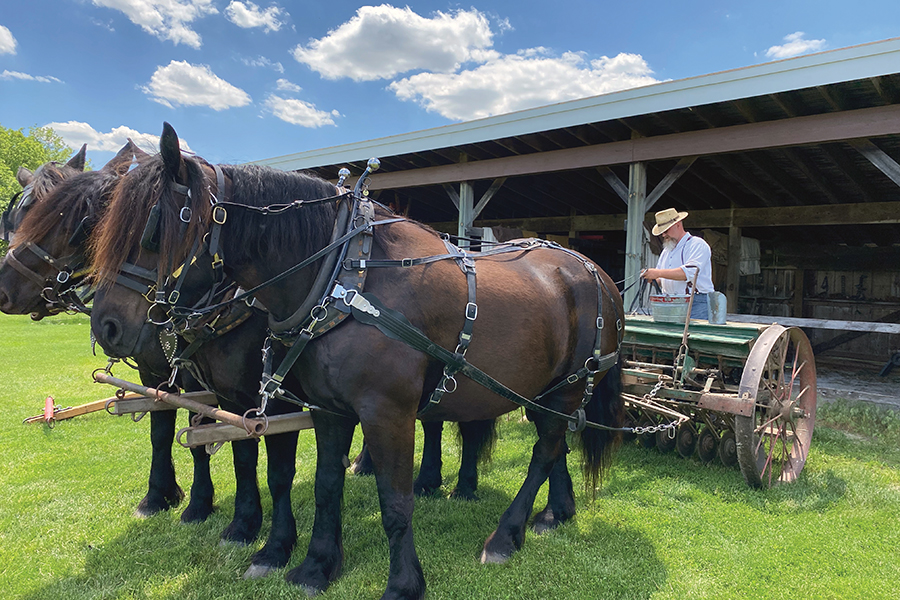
x: 537, y: 324
x: 58, y: 220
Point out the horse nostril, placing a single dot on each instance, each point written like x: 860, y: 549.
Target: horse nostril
x: 111, y: 331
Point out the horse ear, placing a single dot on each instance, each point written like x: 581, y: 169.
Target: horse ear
x: 138, y: 153
x: 24, y: 176
x: 120, y: 163
x: 77, y: 161
x: 170, y: 150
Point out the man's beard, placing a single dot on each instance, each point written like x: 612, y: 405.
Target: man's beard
x: 669, y: 244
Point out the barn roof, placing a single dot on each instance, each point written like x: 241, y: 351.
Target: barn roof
x: 801, y: 132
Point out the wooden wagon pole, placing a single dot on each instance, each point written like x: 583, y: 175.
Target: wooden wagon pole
x: 253, y: 426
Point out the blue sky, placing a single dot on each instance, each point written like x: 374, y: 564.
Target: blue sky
x: 244, y: 81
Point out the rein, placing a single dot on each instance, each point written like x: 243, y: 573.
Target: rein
x: 298, y: 330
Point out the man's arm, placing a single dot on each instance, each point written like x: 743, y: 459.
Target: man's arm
x: 677, y: 274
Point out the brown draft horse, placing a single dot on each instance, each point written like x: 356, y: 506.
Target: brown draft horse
x: 536, y: 325
x: 75, y: 204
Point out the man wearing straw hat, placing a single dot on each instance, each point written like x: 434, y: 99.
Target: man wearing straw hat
x: 683, y: 256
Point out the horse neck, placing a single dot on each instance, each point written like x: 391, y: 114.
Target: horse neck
x: 282, y: 298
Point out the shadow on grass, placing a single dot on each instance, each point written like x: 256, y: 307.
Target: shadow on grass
x: 162, y: 559
x: 644, y: 473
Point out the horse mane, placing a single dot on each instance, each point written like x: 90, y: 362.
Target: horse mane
x: 48, y: 176
x: 304, y: 230
x: 249, y: 234
x: 65, y: 202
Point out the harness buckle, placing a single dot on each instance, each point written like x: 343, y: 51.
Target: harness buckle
x: 599, y: 322
x: 217, y: 262
x: 174, y: 296
x: 160, y: 297
x: 185, y: 214
x: 219, y: 215
x: 151, y: 290
x: 406, y: 262
x: 62, y: 277
x: 471, y: 311
x: 572, y: 378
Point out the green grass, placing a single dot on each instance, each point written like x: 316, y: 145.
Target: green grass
x: 661, y: 527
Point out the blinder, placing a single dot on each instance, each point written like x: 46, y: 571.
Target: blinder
x: 150, y: 236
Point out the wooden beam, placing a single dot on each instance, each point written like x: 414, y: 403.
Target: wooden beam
x: 667, y: 181
x: 858, y: 326
x: 615, y: 183
x: 487, y: 197
x: 879, y: 158
x: 733, y: 273
x: 866, y: 213
x: 815, y: 129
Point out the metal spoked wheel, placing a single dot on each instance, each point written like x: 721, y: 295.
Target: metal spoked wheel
x: 779, y: 381
x: 686, y: 439
x: 707, y: 444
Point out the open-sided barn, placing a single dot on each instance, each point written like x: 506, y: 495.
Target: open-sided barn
x: 789, y: 169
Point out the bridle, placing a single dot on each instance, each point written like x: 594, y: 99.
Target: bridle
x: 59, y: 289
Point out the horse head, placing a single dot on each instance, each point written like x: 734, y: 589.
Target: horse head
x: 52, y: 221
x: 147, y: 249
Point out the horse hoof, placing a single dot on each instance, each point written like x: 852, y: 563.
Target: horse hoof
x: 492, y: 558
x: 257, y: 571
x: 460, y: 495
x: 310, y: 591
x: 142, y: 513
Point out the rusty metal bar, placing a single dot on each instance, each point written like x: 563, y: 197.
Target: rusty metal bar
x: 253, y: 426
x: 138, y: 404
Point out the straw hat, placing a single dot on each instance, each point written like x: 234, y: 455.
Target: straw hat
x: 667, y: 218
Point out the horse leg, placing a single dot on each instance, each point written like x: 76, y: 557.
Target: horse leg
x: 477, y: 441
x: 510, y: 533
x: 325, y: 555
x: 362, y: 464
x: 392, y: 444
x: 429, y: 480
x: 560, y: 500
x: 281, y: 450
x: 163, y: 491
x: 245, y: 525
x: 201, y: 504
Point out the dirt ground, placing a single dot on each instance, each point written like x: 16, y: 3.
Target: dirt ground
x: 857, y: 382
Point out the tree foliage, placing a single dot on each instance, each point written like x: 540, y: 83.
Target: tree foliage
x: 31, y: 150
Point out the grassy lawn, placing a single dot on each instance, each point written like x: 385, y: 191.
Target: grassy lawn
x: 661, y: 527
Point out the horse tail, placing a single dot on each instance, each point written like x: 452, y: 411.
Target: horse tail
x: 606, y: 407
x: 483, y: 436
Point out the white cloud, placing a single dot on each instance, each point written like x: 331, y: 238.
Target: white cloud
x: 166, y: 19
x: 75, y: 133
x: 286, y: 86
x: 248, y: 15
x: 193, y: 85
x: 383, y: 41
x: 262, y: 61
x: 7, y: 41
x: 298, y: 112
x: 794, y: 45
x: 525, y: 80
x: 26, y: 77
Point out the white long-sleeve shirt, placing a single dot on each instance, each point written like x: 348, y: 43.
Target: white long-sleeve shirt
x: 690, y: 251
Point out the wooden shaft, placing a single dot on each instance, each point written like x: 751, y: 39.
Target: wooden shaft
x: 221, y: 432
x: 254, y: 425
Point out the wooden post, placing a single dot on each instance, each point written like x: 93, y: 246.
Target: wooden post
x: 733, y: 274
x: 634, y: 231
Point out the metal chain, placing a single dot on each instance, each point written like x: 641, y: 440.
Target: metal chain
x: 671, y: 425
